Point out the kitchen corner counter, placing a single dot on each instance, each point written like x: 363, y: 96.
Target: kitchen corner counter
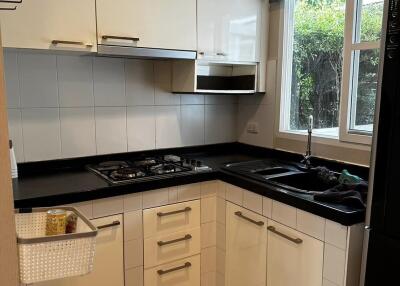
x: 76, y: 184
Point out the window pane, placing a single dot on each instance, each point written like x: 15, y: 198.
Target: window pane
x: 370, y: 21
x: 317, y: 63
x: 365, y: 83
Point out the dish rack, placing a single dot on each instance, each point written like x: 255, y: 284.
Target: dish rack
x: 43, y: 258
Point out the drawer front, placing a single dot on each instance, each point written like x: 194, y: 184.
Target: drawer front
x: 185, y: 272
x: 171, y: 218
x: 165, y: 248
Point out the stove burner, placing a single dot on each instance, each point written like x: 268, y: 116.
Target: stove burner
x: 145, y: 162
x: 112, y: 165
x: 127, y: 173
x: 147, y: 168
x: 163, y: 169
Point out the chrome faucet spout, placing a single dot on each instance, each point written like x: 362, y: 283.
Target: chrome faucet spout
x: 306, y: 158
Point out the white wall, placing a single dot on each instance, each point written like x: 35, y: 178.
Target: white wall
x: 63, y: 106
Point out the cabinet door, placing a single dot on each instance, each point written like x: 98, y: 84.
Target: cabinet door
x: 246, y: 247
x: 294, y: 258
x: 229, y: 29
x: 108, y: 262
x: 151, y: 23
x: 37, y: 23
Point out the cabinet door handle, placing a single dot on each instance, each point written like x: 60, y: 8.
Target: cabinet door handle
x: 187, y: 209
x: 295, y: 240
x: 222, y: 54
x: 10, y: 8
x: 107, y: 37
x: 162, y: 272
x: 56, y: 42
x: 259, y: 223
x: 186, y: 237
x: 114, y: 223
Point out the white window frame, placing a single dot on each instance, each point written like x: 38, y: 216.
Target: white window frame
x: 350, y: 75
x: 349, y: 45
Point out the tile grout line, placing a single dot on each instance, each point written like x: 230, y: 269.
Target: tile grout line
x: 59, y: 110
x: 20, y: 104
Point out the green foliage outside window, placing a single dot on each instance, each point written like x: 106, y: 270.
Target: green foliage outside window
x: 318, y: 58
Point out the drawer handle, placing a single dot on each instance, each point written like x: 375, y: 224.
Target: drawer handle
x: 186, y: 237
x: 239, y: 214
x: 162, y: 272
x: 56, y: 42
x: 295, y: 240
x: 133, y: 39
x: 187, y: 209
x: 222, y: 54
x: 114, y: 223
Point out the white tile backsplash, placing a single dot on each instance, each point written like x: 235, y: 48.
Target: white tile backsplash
x: 168, y: 133
x: 139, y: 76
x: 38, y: 80
x: 15, y: 132
x: 141, y: 128
x: 192, y: 99
x: 78, y: 134
x: 111, y: 130
x: 63, y: 106
x: 109, y: 82
x: 163, y: 81
x: 75, y: 81
x: 220, y: 123
x: 41, y: 133
x: 11, y: 78
x: 192, y: 124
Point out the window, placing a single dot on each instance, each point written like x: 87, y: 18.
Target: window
x: 330, y: 67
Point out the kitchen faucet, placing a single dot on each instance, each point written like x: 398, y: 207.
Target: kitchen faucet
x: 306, y: 158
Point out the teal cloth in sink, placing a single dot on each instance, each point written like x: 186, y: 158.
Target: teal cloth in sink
x: 347, y: 178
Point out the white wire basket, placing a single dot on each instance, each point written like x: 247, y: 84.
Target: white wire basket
x: 43, y: 258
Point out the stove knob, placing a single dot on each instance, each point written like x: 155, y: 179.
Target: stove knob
x: 198, y: 164
x: 193, y: 162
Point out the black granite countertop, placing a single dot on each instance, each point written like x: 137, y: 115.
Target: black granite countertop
x: 67, y: 181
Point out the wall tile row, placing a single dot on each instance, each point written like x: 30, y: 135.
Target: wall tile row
x: 63, y: 106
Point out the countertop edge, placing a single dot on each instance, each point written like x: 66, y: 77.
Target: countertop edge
x: 342, y: 217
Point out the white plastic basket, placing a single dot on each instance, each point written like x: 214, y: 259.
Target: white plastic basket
x: 43, y: 258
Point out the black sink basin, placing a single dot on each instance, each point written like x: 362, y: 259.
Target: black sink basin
x: 302, y: 182
x: 272, y: 171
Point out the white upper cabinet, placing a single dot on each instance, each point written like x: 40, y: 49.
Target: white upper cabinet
x: 149, y: 24
x: 294, y: 258
x: 51, y: 24
x: 229, y: 29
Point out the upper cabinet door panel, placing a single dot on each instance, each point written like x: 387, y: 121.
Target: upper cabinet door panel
x: 37, y: 23
x: 230, y: 29
x: 151, y: 24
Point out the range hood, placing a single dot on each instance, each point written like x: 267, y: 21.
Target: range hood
x: 151, y: 53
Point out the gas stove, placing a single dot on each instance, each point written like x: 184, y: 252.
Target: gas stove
x: 149, y: 168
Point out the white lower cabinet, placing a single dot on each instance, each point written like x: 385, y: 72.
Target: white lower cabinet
x: 109, y: 259
x: 165, y: 248
x: 184, y: 272
x: 246, y: 247
x: 294, y: 258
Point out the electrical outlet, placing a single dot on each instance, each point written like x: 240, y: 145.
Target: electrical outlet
x: 252, y: 127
